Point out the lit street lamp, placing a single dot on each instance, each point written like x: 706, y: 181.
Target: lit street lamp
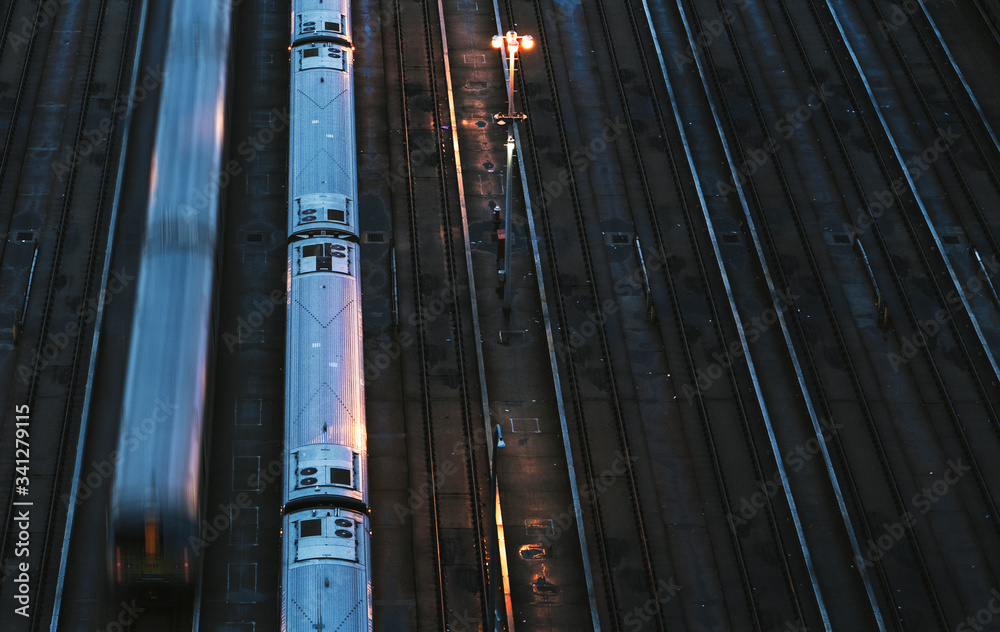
x: 513, y: 42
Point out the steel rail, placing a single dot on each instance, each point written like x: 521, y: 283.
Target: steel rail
x: 959, y: 174
x: 796, y: 322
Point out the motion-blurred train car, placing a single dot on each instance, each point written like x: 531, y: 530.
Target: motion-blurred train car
x: 154, y: 516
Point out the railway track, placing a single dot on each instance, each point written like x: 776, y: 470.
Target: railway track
x: 740, y: 549
x: 770, y: 193
x: 940, y: 362
x: 962, y: 401
x: 979, y: 190
x: 395, y: 559
x: 48, y: 376
x: 14, y: 72
x: 988, y: 17
x: 833, y: 399
x: 700, y: 413
x: 928, y: 79
x: 453, y: 448
x: 866, y: 454
x: 915, y: 603
x: 903, y: 144
x: 721, y: 264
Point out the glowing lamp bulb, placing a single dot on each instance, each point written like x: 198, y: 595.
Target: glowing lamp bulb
x: 527, y: 42
x: 497, y: 41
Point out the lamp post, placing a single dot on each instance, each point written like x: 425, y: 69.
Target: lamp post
x: 508, y: 212
x: 513, y: 42
x: 495, y: 544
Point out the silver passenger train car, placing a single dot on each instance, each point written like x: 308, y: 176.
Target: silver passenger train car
x: 322, y: 169
x: 316, y: 20
x: 325, y: 455
x: 326, y: 565
x: 155, y: 502
x: 326, y: 579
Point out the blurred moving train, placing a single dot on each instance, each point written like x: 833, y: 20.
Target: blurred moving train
x: 155, y: 508
x: 326, y: 567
